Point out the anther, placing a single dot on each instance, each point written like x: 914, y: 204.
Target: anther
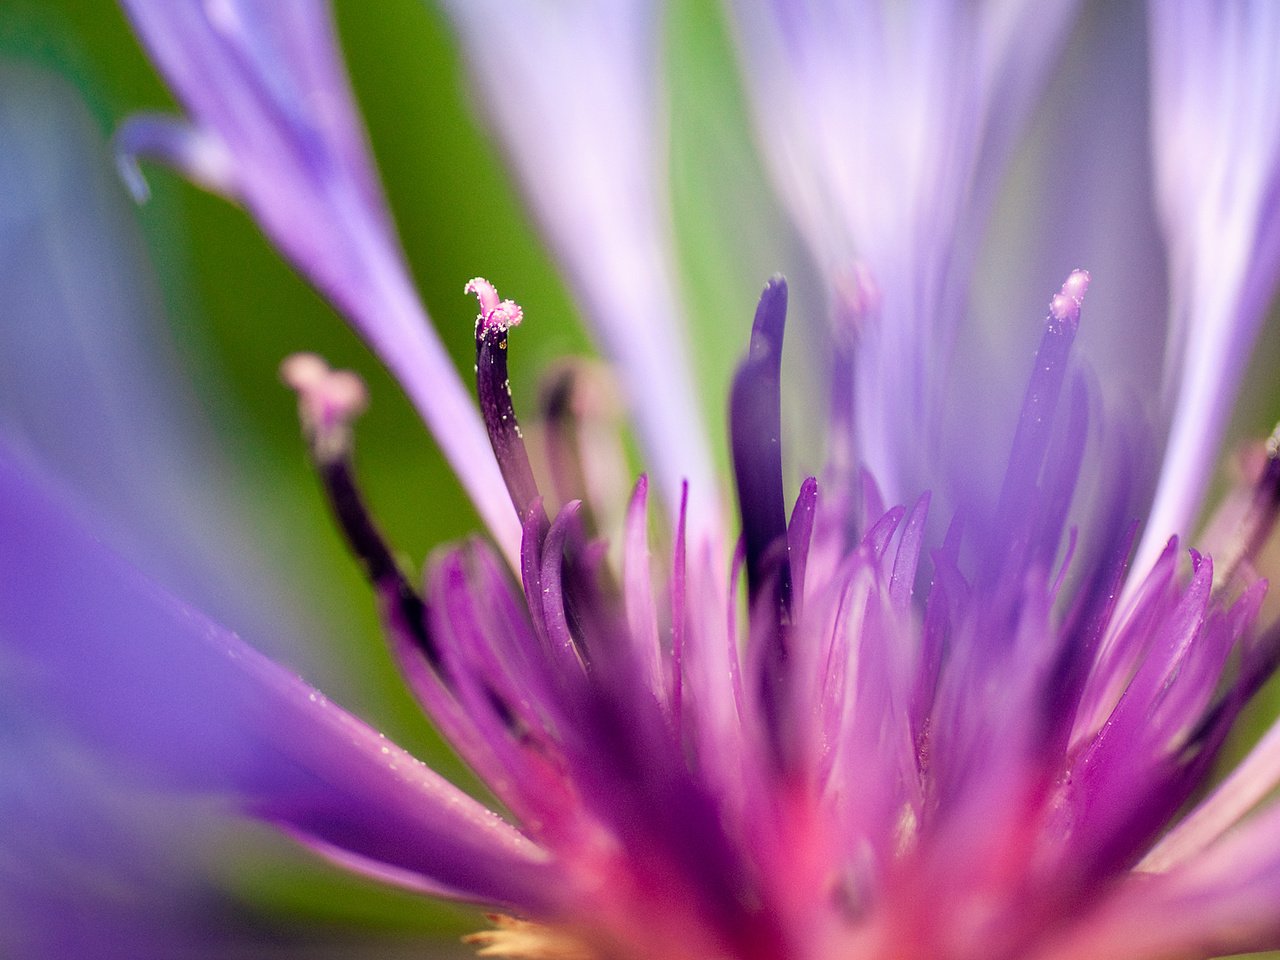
x: 495, y: 314
x: 1241, y: 526
x: 1064, y: 308
x: 328, y: 401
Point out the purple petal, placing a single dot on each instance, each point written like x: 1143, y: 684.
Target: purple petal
x: 273, y: 124
x: 884, y: 126
x: 572, y: 89
x: 800, y: 533
x: 638, y: 595
x: 90, y: 384
x: 1078, y: 194
x: 202, y: 158
x: 1252, y: 781
x: 1216, y: 142
x: 1221, y: 903
x: 173, y: 698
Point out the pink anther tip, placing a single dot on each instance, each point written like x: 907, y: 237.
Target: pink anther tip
x: 1065, y: 307
x: 327, y: 399
x: 495, y: 314
x: 1077, y: 285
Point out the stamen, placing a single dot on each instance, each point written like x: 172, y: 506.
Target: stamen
x: 755, y: 424
x: 756, y: 429
x: 328, y: 401
x: 556, y: 401
x: 1241, y: 526
x: 1035, y: 425
x: 579, y: 418
x: 526, y: 940
x: 493, y: 385
x: 856, y: 301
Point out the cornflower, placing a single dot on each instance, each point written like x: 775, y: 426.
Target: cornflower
x: 942, y: 702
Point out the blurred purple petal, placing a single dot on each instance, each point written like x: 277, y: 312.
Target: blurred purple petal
x: 90, y: 384
x: 201, y: 157
x: 273, y: 116
x: 176, y: 699
x: 1216, y: 142
x: 885, y: 127
x: 574, y: 92
x: 1078, y: 194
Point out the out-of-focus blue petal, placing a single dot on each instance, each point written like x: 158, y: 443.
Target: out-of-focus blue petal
x: 574, y: 93
x: 1078, y: 194
x: 1216, y: 142
x: 274, y: 126
x: 173, y: 699
x: 885, y: 126
x: 89, y: 386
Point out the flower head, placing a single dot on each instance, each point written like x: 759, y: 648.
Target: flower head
x: 905, y: 716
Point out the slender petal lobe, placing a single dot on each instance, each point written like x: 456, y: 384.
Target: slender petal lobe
x: 572, y: 89
x: 884, y: 125
x: 1216, y: 142
x: 146, y: 678
x: 272, y: 124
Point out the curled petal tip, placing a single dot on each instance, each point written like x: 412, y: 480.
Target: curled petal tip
x: 192, y: 151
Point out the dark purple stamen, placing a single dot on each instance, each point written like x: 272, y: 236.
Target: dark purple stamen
x: 328, y: 401
x: 755, y: 421
x: 755, y: 427
x: 1242, y: 544
x: 560, y: 422
x: 493, y: 386
x: 367, y: 543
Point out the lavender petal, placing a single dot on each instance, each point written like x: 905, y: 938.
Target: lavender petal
x: 274, y: 124
x: 176, y: 699
x: 885, y: 127
x: 573, y: 93
x: 1216, y: 143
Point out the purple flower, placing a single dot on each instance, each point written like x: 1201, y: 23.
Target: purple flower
x: 960, y: 695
